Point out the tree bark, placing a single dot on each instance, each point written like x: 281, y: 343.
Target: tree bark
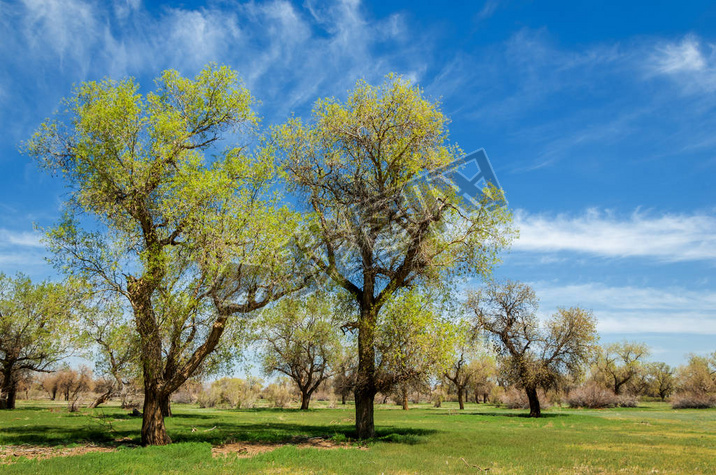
x: 343, y: 399
x: 166, y: 406
x: 534, y: 401
x: 365, y: 389
x: 461, y: 397
x: 153, y: 430
x: 101, y: 399
x: 305, y: 399
x: 404, y: 394
x: 8, y: 393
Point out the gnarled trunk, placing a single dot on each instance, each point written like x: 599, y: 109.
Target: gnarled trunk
x: 166, y: 405
x: 534, y: 401
x: 365, y: 389
x: 8, y: 393
x: 461, y: 397
x: 153, y: 430
x: 305, y: 399
x: 101, y: 399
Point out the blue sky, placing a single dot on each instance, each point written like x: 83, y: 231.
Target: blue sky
x: 599, y: 121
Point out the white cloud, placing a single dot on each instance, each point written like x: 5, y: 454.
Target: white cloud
x: 67, y: 28
x: 22, y: 238
x: 688, y: 62
x: 669, y: 237
x: 636, y: 309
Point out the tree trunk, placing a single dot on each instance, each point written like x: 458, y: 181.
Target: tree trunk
x: 8, y: 393
x: 484, y: 398
x: 153, y: 430
x: 343, y: 399
x: 460, y: 397
x: 166, y: 406
x: 365, y: 427
x: 104, y: 397
x: 404, y: 394
x: 305, y: 399
x: 534, y: 402
x: 365, y: 389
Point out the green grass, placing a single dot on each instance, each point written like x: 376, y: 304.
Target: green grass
x: 648, y: 439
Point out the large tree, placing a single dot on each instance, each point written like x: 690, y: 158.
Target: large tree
x: 37, y: 329
x: 375, y: 227
x: 534, y: 355
x: 158, y: 213
x: 300, y: 340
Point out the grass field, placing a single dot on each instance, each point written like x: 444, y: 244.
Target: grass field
x: 649, y: 439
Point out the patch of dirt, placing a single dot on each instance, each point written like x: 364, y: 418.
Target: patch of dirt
x: 10, y: 453
x: 250, y: 449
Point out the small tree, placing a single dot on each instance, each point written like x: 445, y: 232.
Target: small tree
x: 619, y: 364
x: 534, y: 355
x: 484, y: 372
x: 466, y: 361
x: 698, y: 375
x: 660, y: 377
x: 36, y: 329
x: 116, y: 349
x: 412, y: 343
x: 344, y: 378
x: 301, y: 341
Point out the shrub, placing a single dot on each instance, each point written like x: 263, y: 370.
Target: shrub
x: 626, y: 400
x: 278, y: 394
x: 230, y: 392
x: 693, y: 400
x: 592, y: 396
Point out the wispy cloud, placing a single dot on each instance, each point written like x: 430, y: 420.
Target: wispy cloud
x: 22, y: 251
x: 281, y: 49
x: 669, y: 237
x: 689, y: 62
x: 19, y: 238
x: 630, y: 310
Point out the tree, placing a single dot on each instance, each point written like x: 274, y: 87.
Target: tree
x: 620, y: 363
x: 373, y: 227
x: 187, y: 240
x: 412, y: 343
x: 534, y: 355
x: 465, y: 358
x: 698, y: 376
x: 661, y: 379
x: 300, y: 341
x: 116, y: 349
x: 344, y: 374
x: 483, y: 372
x: 36, y: 329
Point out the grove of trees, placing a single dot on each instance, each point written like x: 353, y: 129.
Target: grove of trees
x: 188, y: 235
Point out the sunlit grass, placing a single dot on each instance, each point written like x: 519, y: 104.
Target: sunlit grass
x: 649, y: 439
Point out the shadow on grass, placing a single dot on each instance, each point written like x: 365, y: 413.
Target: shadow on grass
x: 509, y: 414
x: 221, y: 432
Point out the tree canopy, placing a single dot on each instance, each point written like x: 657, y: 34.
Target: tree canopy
x: 185, y: 231
x: 37, y: 328
x: 534, y: 355
x: 376, y: 227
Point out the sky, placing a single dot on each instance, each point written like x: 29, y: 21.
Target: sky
x: 598, y: 118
